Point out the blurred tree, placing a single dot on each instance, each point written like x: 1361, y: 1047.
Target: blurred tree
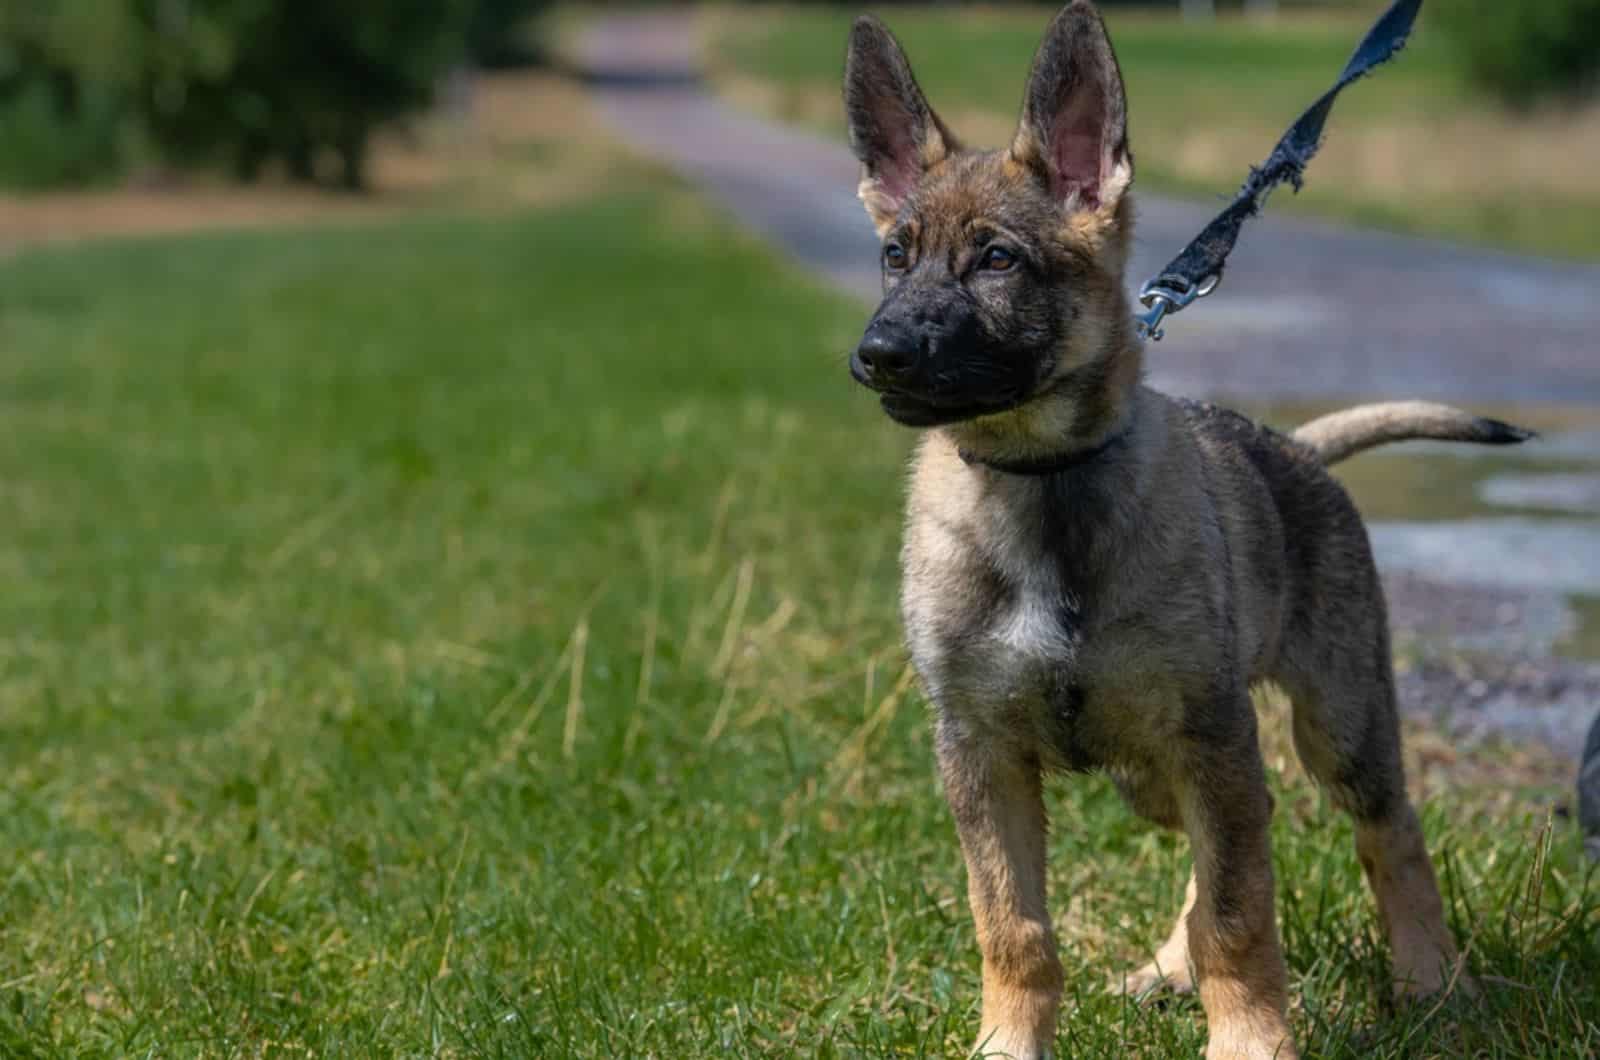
x: 65, y: 73
x: 1528, y: 51
x: 497, y: 32
x: 294, y: 80
x: 85, y: 84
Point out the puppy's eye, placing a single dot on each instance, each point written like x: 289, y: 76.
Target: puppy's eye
x: 998, y: 259
x: 894, y: 256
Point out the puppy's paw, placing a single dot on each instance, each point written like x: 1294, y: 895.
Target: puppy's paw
x: 1250, y: 1044
x: 1152, y: 981
x: 1011, y: 1043
x: 1427, y: 979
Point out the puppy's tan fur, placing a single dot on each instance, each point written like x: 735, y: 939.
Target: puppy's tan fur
x: 1114, y: 612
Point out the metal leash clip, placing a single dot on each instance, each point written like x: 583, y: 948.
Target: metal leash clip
x: 1168, y: 294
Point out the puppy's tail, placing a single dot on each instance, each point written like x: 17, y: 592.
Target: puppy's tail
x: 1349, y: 431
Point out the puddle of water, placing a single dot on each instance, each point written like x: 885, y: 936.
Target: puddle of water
x: 1513, y: 553
x: 1575, y: 492
x: 1518, y: 290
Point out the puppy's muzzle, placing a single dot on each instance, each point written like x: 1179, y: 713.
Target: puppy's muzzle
x: 888, y: 355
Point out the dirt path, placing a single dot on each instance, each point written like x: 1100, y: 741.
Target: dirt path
x: 1308, y: 310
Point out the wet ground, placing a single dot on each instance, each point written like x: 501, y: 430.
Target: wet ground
x: 1495, y: 615
x: 1491, y: 558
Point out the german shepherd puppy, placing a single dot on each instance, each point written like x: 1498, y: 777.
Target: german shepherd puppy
x: 1094, y: 574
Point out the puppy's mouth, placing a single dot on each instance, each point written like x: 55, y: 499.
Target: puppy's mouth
x: 920, y: 409
x: 912, y: 411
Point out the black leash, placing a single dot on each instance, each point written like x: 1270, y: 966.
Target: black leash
x: 1196, y: 271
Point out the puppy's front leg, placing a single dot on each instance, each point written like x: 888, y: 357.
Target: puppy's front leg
x: 1233, y: 932
x: 996, y: 795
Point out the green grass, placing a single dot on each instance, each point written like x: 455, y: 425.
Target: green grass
x: 1206, y: 101
x: 980, y: 58
x: 1584, y: 641
x: 463, y: 636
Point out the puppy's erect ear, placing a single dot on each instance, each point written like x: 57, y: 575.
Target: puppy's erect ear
x: 893, y: 131
x: 1074, y: 129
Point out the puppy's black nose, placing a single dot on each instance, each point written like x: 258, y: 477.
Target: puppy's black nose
x: 887, y: 353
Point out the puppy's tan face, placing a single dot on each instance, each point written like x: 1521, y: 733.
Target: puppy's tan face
x: 1001, y: 269
x: 995, y: 290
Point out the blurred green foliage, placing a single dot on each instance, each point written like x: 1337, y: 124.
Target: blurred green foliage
x: 497, y: 31
x: 66, y: 87
x: 86, y: 86
x: 298, y: 81
x: 1527, y: 52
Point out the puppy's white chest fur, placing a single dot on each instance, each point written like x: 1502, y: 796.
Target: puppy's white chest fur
x: 990, y: 628
x: 1034, y: 625
x: 1020, y: 627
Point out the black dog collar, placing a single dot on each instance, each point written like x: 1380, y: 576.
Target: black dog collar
x: 1044, y: 465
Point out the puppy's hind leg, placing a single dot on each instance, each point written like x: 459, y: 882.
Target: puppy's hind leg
x: 1347, y: 734
x: 1172, y: 970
